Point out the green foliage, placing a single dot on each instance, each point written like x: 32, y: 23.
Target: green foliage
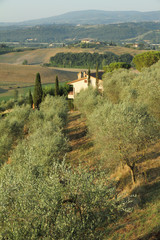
x: 59, y: 33
x: 25, y: 62
x: 63, y: 90
x: 89, y: 77
x: 117, y: 85
x: 121, y: 131
x: 125, y: 120
x: 41, y: 196
x: 63, y: 205
x: 147, y: 86
x: 57, y: 87
x: 146, y: 59
x: 12, y: 129
x: 55, y: 106
x: 87, y: 59
x: 30, y: 99
x: 114, y: 66
x: 4, y: 105
x: 37, y: 96
x: 97, y: 76
x: 15, y: 94
x: 87, y: 100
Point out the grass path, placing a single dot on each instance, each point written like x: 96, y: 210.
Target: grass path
x: 81, y: 144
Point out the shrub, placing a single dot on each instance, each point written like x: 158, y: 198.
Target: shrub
x: 117, y: 65
x: 147, y: 86
x: 12, y: 129
x: 146, y: 59
x: 117, y: 85
x: 87, y: 100
x: 121, y: 131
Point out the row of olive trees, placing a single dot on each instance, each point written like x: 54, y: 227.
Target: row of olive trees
x: 42, y: 197
x: 12, y: 129
x: 125, y: 120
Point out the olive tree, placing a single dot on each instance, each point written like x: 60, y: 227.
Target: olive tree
x: 122, y: 131
x: 66, y: 204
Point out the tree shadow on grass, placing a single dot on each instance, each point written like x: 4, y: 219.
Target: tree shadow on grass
x: 147, y: 193
x: 155, y: 235
x: 147, y: 156
x: 2, y: 90
x: 74, y: 117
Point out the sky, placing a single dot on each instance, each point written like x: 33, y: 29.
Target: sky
x: 21, y: 10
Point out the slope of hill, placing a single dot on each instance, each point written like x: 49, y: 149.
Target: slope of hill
x: 95, y: 17
x: 40, y: 56
x: 139, y: 224
x: 64, y: 33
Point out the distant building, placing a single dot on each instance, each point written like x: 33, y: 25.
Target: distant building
x: 82, y: 83
x: 87, y: 40
x: 136, y: 45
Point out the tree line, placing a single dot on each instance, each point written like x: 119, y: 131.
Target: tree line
x: 85, y: 60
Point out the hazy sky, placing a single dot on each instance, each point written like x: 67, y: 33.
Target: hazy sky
x: 20, y: 10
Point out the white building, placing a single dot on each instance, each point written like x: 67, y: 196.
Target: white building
x: 82, y: 83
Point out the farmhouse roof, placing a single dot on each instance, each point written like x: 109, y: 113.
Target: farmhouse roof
x: 77, y: 80
x: 100, y: 74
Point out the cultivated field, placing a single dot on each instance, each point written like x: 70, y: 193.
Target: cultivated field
x: 40, y: 56
x: 21, y: 76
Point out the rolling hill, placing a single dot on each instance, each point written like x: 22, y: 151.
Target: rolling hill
x: 41, y: 56
x: 66, y: 33
x: 94, y: 17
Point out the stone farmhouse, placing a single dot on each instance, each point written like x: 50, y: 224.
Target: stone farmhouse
x: 82, y: 83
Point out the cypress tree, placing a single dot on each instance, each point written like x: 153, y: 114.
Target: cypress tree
x: 30, y: 99
x: 89, y: 77
x: 57, y: 87
x: 97, y: 76
x: 37, y: 91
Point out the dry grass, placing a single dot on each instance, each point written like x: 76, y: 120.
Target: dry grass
x: 81, y: 145
x: 40, y: 56
x: 20, y: 76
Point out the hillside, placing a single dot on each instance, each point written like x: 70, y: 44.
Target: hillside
x: 64, y: 33
x: 69, y: 174
x: 95, y: 17
x: 138, y: 225
x: 40, y: 56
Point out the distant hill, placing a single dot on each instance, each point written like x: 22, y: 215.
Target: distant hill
x: 94, y: 17
x: 62, y: 33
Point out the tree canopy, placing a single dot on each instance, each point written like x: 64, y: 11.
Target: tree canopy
x: 146, y: 59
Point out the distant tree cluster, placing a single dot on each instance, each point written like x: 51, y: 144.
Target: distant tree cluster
x: 87, y: 59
